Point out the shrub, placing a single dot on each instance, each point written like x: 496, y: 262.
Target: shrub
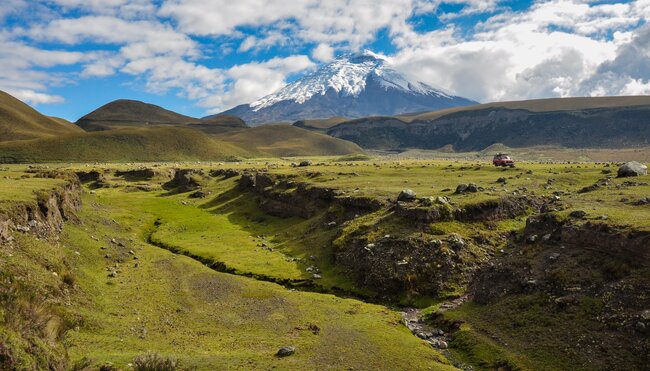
x: 154, y: 362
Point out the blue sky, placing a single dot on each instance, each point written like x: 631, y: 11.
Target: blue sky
x: 198, y: 57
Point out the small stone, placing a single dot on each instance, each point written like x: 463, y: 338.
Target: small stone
x: 645, y: 315
x: 578, y: 214
x: 317, y: 276
x: 285, y: 351
x: 554, y: 256
x: 406, y: 195
x: 456, y: 242
x: 440, y: 344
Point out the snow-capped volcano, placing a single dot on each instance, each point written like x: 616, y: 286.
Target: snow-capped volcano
x: 354, y: 85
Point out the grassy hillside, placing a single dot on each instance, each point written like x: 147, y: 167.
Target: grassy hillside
x: 130, y: 113
x: 287, y: 140
x: 320, y: 124
x: 20, y: 121
x: 608, y: 122
x: 541, y: 105
x: 154, y: 144
x: 125, y: 114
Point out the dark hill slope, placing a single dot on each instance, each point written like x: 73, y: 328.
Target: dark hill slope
x: 19, y: 121
x: 478, y: 127
x: 320, y: 125
x: 131, y: 113
x: 542, y: 105
x: 123, y: 113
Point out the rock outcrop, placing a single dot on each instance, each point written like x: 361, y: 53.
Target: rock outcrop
x: 45, y: 216
x: 632, y: 168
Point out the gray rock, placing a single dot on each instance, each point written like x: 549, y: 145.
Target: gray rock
x: 578, y: 214
x: 285, y: 351
x: 440, y: 344
x: 442, y: 200
x: 645, y: 315
x: 461, y: 188
x: 502, y: 180
x: 632, y: 168
x: 406, y: 195
x: 198, y: 194
x: 456, y: 242
x: 472, y: 188
x: 305, y: 163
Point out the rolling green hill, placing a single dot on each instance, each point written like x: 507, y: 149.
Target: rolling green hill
x: 20, y: 121
x: 125, y: 113
x: 119, y: 145
x: 287, y: 140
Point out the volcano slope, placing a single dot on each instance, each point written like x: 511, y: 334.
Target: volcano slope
x: 541, y: 286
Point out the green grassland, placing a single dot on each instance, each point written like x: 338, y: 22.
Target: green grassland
x: 121, y: 145
x: 174, y: 305
x: 138, y: 276
x: 286, y: 140
x: 17, y: 186
x: 173, y: 143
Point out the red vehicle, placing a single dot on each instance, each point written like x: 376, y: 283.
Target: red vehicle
x: 502, y: 159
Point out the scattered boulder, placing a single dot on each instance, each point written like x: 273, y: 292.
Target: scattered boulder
x: 578, y: 214
x: 305, y: 163
x: 225, y: 173
x: 502, y: 180
x: 198, y: 194
x: 185, y: 180
x: 632, y: 168
x: 456, y: 242
x: 406, y: 195
x: 285, y: 351
x: 247, y: 181
x: 464, y: 188
x: 136, y: 174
